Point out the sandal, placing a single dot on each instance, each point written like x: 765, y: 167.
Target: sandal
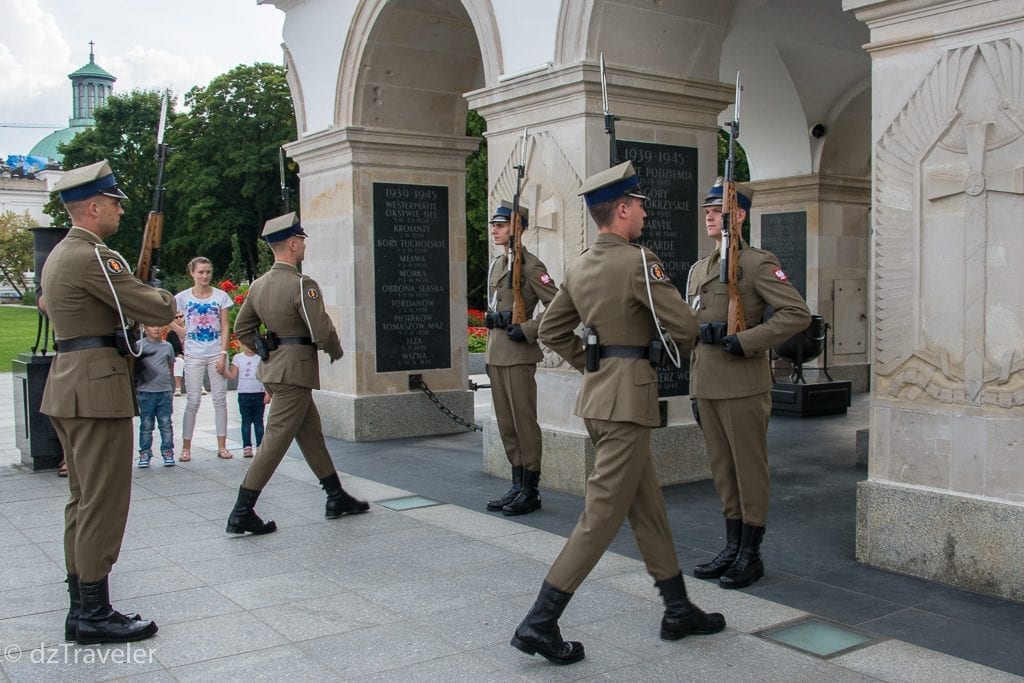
x: 224, y: 454
x: 62, y: 469
x: 185, y: 455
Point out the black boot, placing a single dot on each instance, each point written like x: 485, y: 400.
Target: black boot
x: 510, y: 495
x: 748, y: 567
x: 528, y: 499
x: 75, y: 610
x: 243, y: 518
x: 339, y: 503
x: 99, y: 623
x: 724, y: 559
x: 682, y: 617
x: 539, y: 633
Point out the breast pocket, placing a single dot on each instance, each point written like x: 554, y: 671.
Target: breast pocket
x: 108, y: 387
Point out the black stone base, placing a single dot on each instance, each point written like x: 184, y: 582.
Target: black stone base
x: 810, y: 400
x: 35, y: 436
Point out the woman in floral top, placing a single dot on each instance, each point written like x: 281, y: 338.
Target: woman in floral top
x: 207, y: 330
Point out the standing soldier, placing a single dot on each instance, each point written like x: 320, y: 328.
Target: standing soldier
x: 512, y: 357
x: 731, y: 381
x: 90, y: 295
x: 620, y: 292
x: 289, y: 306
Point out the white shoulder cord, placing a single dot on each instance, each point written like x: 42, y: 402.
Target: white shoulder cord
x: 492, y: 299
x: 696, y: 300
x: 670, y: 344
x: 302, y: 298
x: 117, y: 302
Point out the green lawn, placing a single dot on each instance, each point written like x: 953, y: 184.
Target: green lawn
x: 18, y: 325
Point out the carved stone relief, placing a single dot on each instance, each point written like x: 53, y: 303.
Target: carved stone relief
x: 949, y: 194
x: 549, y: 190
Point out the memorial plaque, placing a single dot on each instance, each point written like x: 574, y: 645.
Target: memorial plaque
x: 785, y: 235
x: 668, y: 175
x: 411, y: 277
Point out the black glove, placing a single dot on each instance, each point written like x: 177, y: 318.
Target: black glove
x: 731, y: 344
x: 515, y: 333
x: 696, y: 412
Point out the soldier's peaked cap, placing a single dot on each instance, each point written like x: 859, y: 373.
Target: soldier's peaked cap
x: 88, y: 181
x: 612, y: 183
x: 503, y: 214
x: 283, y: 227
x: 744, y: 194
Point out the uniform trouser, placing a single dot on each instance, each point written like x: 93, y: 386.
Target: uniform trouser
x: 292, y: 416
x: 195, y: 369
x: 98, y: 453
x: 736, y: 435
x: 623, y: 483
x: 514, y: 395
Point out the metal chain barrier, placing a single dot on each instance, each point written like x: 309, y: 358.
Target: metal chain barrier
x: 418, y: 383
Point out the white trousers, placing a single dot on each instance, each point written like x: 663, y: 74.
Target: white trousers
x: 195, y: 369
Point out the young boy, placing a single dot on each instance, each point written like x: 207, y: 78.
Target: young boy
x: 154, y: 382
x: 252, y: 396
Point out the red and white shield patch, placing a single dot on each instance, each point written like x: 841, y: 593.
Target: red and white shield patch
x: 115, y: 266
x: 780, y: 274
x: 545, y: 279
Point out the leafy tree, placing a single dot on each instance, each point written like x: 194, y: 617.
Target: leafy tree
x: 222, y: 179
x: 16, y: 255
x: 741, y: 172
x: 476, y: 215
x: 124, y: 135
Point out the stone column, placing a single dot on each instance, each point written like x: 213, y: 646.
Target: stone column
x: 945, y: 495
x: 390, y: 312
x: 566, y: 142
x: 818, y: 226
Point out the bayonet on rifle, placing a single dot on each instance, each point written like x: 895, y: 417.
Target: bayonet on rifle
x: 515, y: 273
x: 284, y: 187
x: 730, y: 253
x: 609, y: 118
x: 149, y: 255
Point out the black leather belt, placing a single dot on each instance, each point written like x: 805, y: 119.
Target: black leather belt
x: 612, y: 351
x: 295, y: 341
x: 83, y: 343
x: 712, y: 333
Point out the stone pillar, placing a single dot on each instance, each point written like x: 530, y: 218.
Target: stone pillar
x: 390, y: 312
x: 944, y: 499
x: 818, y: 226
x: 566, y: 142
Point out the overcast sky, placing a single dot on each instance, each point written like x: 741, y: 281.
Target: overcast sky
x: 146, y: 44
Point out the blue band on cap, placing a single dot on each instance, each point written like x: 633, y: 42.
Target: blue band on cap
x: 503, y: 214
x: 613, y: 191
x: 73, y: 194
x: 281, y: 235
x: 714, y: 198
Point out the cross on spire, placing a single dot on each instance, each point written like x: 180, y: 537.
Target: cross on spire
x: 91, y: 56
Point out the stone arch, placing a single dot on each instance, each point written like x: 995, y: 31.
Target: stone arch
x: 374, y: 23
x: 846, y: 147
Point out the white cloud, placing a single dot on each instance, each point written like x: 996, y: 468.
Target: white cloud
x: 33, y: 53
x: 143, y: 68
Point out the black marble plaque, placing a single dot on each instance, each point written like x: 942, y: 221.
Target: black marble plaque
x: 411, y: 280
x: 668, y: 175
x: 785, y: 235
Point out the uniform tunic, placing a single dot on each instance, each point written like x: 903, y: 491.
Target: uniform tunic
x: 512, y: 366
x: 734, y: 394
x: 89, y: 395
x: 290, y: 305
x: 605, y: 288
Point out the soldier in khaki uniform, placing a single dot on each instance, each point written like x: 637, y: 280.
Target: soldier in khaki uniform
x: 731, y: 381
x: 90, y: 293
x: 290, y: 307
x: 512, y: 357
x: 606, y: 289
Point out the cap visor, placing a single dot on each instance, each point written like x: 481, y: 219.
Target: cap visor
x: 638, y: 195
x: 114, y: 192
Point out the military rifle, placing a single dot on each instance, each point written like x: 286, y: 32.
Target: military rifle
x: 284, y: 187
x: 730, y: 254
x: 148, y: 267
x: 515, y: 273
x: 609, y: 118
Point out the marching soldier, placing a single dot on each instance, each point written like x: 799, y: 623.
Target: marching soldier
x: 731, y: 383
x: 620, y: 292
x: 90, y: 296
x: 512, y: 357
x: 290, y: 307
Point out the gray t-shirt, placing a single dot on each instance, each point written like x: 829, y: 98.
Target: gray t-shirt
x: 153, y: 369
